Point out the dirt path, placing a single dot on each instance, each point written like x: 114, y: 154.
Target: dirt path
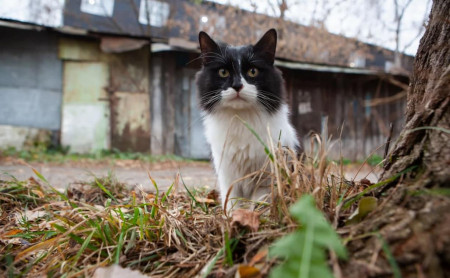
x: 132, y: 173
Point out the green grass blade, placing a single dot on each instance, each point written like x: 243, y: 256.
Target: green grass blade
x: 141, y: 224
x: 154, y: 185
x: 144, y: 259
x: 119, y: 246
x: 181, y: 235
x: 135, y: 216
x: 430, y: 128
x: 213, y: 262
x: 83, y: 247
x: 202, y: 206
x: 99, y: 184
x: 108, y: 234
x: 41, y: 177
x: 228, y: 252
x: 266, y: 148
x: 390, y: 257
x: 166, y: 195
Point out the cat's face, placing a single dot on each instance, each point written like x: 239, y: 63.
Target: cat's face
x: 241, y: 77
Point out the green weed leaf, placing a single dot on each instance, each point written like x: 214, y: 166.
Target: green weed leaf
x: 304, y: 251
x: 365, y: 206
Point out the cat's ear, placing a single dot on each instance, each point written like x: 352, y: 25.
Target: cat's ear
x: 206, y: 43
x: 267, y: 45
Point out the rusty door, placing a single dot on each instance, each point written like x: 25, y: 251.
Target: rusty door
x: 130, y: 114
x: 85, y: 115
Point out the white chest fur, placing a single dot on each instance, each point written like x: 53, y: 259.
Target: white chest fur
x: 237, y: 152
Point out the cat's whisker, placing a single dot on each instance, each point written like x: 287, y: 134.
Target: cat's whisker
x: 250, y: 55
x: 207, y: 98
x: 212, y: 100
x: 214, y: 56
x: 211, y: 95
x: 248, y: 95
x: 269, y: 95
x: 211, y: 92
x: 195, y: 59
x: 267, y: 98
x: 266, y: 103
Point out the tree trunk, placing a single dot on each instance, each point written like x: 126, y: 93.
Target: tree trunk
x: 409, y: 232
x: 428, y: 104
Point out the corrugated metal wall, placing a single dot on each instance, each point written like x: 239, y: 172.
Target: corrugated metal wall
x: 30, y: 79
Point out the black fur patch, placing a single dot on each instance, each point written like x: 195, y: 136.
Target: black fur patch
x: 238, y: 60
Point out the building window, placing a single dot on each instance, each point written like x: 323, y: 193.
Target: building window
x: 97, y: 7
x: 213, y: 24
x: 388, y: 65
x: 158, y: 13
x: 304, y: 102
x: 357, y: 60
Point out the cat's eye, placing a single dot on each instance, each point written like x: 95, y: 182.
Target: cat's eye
x: 224, y: 73
x: 253, y: 72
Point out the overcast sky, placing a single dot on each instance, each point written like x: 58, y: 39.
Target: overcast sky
x: 371, y: 21
x: 45, y: 12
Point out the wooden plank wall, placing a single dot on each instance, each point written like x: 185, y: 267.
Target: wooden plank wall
x: 342, y: 98
x: 311, y: 95
x: 162, y: 104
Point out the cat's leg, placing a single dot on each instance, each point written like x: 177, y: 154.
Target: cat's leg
x: 262, y: 193
x: 230, y: 193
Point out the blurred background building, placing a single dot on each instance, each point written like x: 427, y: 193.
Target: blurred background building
x: 120, y: 74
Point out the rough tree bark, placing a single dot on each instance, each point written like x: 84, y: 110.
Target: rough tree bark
x: 428, y: 103
x: 413, y: 214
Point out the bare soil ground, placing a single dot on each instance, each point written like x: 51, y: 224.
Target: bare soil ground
x: 133, y: 173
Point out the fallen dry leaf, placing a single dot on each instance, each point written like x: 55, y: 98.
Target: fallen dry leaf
x: 35, y: 248
x: 38, y: 192
x: 213, y: 194
x: 245, y: 218
x: 7, y: 239
x: 116, y: 271
x: 10, y: 233
x: 261, y: 255
x: 205, y: 200
x: 246, y: 271
x: 365, y: 182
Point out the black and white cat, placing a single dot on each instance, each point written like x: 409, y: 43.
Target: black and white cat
x: 241, y: 81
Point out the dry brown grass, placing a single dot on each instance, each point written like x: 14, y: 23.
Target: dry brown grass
x: 170, y: 234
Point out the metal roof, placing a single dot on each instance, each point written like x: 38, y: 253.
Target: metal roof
x: 324, y: 68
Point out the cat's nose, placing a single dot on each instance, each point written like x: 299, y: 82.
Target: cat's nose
x: 237, y: 87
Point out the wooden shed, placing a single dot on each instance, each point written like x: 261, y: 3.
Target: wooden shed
x: 126, y: 71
